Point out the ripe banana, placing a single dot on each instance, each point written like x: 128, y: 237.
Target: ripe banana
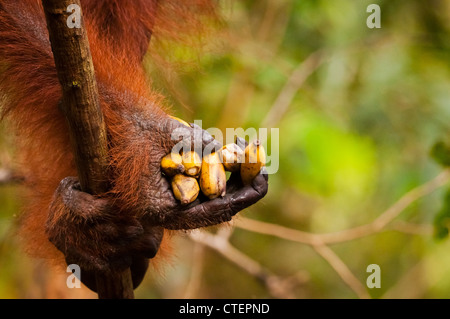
x: 172, y: 164
x: 255, y: 159
x: 180, y: 120
x: 185, y: 188
x: 192, y: 163
x: 213, y: 180
x: 232, y: 156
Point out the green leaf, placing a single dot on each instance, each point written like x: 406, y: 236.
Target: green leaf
x: 440, y: 152
x: 442, y: 219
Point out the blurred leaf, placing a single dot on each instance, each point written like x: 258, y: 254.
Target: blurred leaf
x: 440, y: 152
x: 442, y: 219
x: 319, y: 156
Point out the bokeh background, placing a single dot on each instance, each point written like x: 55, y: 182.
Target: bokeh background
x: 358, y: 110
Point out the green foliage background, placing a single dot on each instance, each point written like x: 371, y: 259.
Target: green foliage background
x: 356, y: 137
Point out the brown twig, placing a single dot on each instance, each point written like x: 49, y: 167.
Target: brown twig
x: 295, y: 81
x: 374, y: 227
x: 277, y: 287
x: 81, y: 107
x: 319, y: 242
x: 342, y: 270
x: 412, y: 229
x: 193, y: 285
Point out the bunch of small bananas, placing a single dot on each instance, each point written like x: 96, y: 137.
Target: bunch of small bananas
x: 189, y: 173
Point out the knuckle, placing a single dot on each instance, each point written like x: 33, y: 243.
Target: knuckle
x: 69, y: 183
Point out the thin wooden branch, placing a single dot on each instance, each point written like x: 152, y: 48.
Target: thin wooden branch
x: 342, y: 270
x: 223, y: 246
x: 81, y: 108
x: 379, y: 224
x: 195, y: 280
x: 319, y: 242
x: 277, y: 286
x: 411, y: 228
x: 295, y: 81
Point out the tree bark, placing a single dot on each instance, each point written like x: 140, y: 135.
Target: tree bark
x: 81, y: 107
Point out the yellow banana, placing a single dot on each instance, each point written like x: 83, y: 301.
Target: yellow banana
x: 255, y: 159
x: 192, y: 163
x: 172, y: 164
x: 213, y: 180
x: 232, y: 156
x: 185, y: 188
x: 180, y: 120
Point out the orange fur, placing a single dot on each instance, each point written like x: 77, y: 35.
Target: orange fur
x: 118, y: 32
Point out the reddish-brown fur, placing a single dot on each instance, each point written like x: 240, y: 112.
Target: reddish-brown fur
x: 119, y: 32
x: 124, y: 227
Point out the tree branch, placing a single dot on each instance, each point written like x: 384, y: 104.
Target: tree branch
x: 295, y: 81
x: 195, y: 279
x: 319, y: 242
x: 342, y: 270
x: 81, y: 107
x: 277, y: 286
x: 374, y: 227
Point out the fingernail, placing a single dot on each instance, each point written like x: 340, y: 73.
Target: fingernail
x: 241, y: 142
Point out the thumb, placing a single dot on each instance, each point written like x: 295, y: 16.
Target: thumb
x: 189, y: 138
